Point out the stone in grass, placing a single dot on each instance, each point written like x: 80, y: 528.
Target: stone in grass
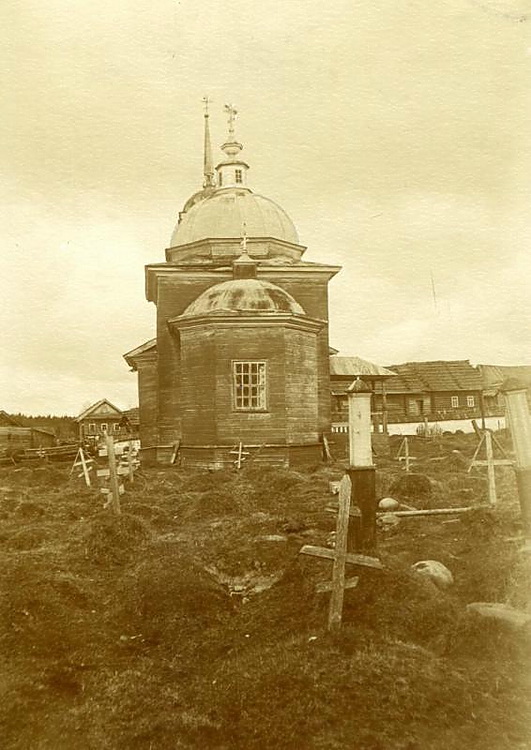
x: 435, y: 571
x: 388, y: 521
x: 502, y: 613
x: 388, y: 503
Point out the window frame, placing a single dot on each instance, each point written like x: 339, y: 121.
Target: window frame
x: 104, y: 425
x: 238, y: 176
x: 454, y: 401
x: 471, y: 402
x: 92, y: 428
x: 263, y: 407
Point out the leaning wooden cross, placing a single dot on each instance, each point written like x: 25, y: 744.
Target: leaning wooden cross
x: 86, y: 465
x: 340, y: 558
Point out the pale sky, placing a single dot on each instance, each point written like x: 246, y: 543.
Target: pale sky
x: 397, y: 136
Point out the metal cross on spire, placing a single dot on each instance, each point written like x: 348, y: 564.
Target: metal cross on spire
x: 231, y: 110
x: 206, y: 102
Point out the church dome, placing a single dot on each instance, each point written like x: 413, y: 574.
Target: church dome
x: 223, y: 214
x: 243, y: 296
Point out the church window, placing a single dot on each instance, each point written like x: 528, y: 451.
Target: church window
x: 249, y: 382
x: 220, y: 179
x: 239, y: 176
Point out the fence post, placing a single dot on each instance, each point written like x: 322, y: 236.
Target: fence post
x: 517, y: 412
x: 113, y: 484
x: 361, y: 470
x: 490, y: 468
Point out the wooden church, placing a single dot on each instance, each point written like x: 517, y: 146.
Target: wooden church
x: 241, y: 354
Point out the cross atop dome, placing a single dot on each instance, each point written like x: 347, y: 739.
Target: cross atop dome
x: 232, y: 112
x: 232, y: 172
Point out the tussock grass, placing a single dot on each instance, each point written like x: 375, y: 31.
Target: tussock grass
x: 129, y: 633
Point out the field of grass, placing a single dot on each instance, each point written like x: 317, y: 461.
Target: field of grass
x: 191, y: 621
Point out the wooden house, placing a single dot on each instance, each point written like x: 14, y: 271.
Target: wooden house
x: 493, y: 376
x: 435, y: 391
x: 343, y: 370
x: 100, y: 418
x: 16, y: 436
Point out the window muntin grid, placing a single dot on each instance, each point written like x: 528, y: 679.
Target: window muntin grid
x: 249, y: 380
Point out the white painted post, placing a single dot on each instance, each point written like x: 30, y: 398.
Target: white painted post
x: 359, y: 424
x: 361, y: 470
x: 519, y: 421
x: 406, y: 452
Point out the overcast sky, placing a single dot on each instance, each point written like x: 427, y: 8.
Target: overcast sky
x: 395, y: 134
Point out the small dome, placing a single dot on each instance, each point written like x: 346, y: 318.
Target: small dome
x: 222, y: 214
x: 243, y: 296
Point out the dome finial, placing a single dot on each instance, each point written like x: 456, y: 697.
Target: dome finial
x: 231, y: 146
x: 231, y: 110
x: 244, y: 267
x: 232, y: 171
x: 208, y: 165
x: 243, y: 243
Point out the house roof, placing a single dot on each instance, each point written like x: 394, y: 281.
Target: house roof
x: 418, y: 377
x: 357, y: 367
x: 494, y: 375
x: 41, y: 429
x: 95, y: 407
x: 7, y: 419
x: 133, y: 415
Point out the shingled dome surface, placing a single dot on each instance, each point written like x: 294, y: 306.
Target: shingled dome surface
x: 223, y: 214
x: 244, y: 296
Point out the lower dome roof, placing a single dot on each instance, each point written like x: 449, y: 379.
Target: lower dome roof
x: 244, y: 296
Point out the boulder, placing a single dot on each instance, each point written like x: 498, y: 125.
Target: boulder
x: 435, y: 571
x: 388, y: 503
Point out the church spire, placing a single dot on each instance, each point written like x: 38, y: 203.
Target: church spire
x: 208, y: 167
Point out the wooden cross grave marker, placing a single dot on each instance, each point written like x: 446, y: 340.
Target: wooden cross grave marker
x: 340, y: 558
x: 111, y: 473
x: 86, y: 465
x: 488, y: 439
x: 403, y: 454
x: 241, y: 455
